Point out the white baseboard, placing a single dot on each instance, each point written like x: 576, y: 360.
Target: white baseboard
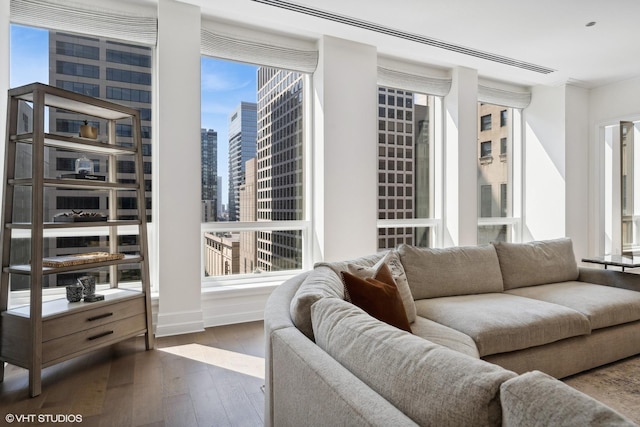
x: 225, y: 306
x: 178, y: 323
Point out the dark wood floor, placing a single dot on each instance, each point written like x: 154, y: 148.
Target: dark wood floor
x: 212, y: 378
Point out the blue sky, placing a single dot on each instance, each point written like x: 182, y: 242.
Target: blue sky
x: 29, y: 56
x: 224, y: 85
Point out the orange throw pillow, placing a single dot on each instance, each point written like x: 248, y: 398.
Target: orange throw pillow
x: 378, y: 296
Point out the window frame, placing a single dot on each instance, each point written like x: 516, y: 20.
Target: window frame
x: 484, y: 152
x: 514, y: 159
x: 304, y: 226
x: 434, y: 223
x: 21, y: 297
x: 484, y: 124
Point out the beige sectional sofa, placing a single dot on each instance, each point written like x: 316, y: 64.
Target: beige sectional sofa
x: 528, y: 309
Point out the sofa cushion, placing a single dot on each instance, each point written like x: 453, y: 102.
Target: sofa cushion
x: 536, y: 263
x: 323, y: 281
x: 445, y: 336
x: 391, y: 259
x: 338, y: 266
x: 378, y: 296
x: 533, y: 399
x: 451, y: 271
x: 500, y: 322
x: 431, y: 384
x: 603, y: 305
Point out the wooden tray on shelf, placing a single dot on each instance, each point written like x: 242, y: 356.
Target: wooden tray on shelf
x: 78, y: 259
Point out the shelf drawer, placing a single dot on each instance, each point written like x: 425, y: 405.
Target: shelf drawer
x: 89, y: 339
x: 86, y: 319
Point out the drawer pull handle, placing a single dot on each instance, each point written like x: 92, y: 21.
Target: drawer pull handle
x: 101, y: 316
x: 95, y: 337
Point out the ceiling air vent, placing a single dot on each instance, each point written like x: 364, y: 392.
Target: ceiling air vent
x: 407, y: 36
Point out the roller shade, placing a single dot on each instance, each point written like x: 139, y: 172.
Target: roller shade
x: 83, y: 18
x: 500, y: 94
x: 256, y: 47
x: 413, y: 77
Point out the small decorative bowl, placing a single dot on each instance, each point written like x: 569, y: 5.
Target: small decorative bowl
x: 74, y: 293
x: 88, y: 131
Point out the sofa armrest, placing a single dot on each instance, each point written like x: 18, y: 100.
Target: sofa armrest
x: 613, y: 278
x: 276, y: 317
x: 311, y: 388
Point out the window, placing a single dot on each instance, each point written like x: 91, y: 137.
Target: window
x: 485, y: 122
x: 127, y: 94
x: 486, y: 201
x: 129, y: 58
x: 128, y: 76
x: 405, y: 172
x: 73, y: 126
x: 126, y: 166
x: 90, y: 89
x: 65, y: 164
x: 77, y: 50
x: 76, y: 69
x: 127, y: 203
x: 485, y: 149
x: 503, y: 146
x: 252, y: 169
x: 76, y: 202
x: 80, y: 64
x: 145, y: 114
x: 495, y: 179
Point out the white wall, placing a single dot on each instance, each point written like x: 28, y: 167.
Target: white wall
x: 176, y: 157
x: 345, y: 150
x: 618, y: 101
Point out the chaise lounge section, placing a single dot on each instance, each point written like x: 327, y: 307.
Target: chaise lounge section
x: 528, y: 309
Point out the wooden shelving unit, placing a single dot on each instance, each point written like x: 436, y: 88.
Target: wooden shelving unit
x: 42, y: 334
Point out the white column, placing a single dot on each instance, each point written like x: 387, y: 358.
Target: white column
x: 345, y: 150
x: 577, y: 169
x: 545, y: 165
x: 461, y: 160
x: 176, y: 168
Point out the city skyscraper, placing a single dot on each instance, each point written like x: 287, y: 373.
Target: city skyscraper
x: 209, y: 174
x: 403, y: 164
x: 248, y: 213
x: 423, y: 108
x: 280, y: 164
x: 219, y: 208
x: 242, y: 147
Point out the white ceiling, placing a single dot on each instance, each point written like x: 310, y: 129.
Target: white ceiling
x: 548, y: 33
